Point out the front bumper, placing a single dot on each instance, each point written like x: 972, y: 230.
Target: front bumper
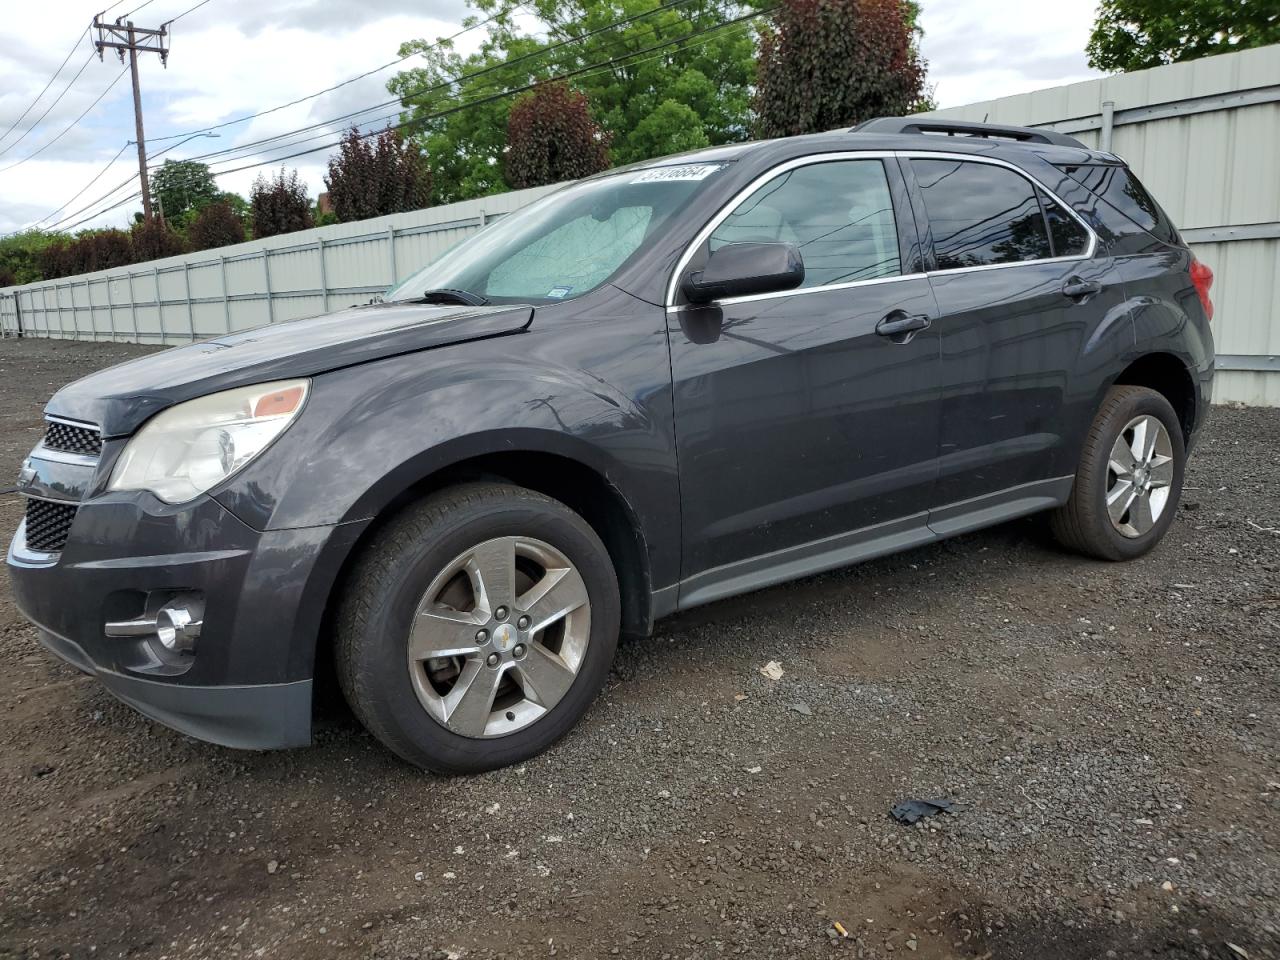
x: 252, y: 717
x: 248, y: 683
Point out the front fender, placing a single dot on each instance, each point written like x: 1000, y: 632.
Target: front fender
x: 370, y: 433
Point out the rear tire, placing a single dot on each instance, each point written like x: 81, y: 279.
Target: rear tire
x: 1129, y: 480
x: 477, y: 628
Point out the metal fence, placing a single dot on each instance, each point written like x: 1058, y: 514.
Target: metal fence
x: 1204, y: 137
x: 203, y: 295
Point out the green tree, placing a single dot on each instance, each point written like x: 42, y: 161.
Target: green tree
x: 20, y: 254
x: 279, y: 204
x: 834, y: 63
x: 217, y: 225
x: 376, y: 176
x: 182, y: 189
x: 1136, y: 34
x: 551, y: 136
x: 672, y: 127
x: 711, y: 73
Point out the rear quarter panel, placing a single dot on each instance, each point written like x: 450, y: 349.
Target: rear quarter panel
x: 1165, y: 310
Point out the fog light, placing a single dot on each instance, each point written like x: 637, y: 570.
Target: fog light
x: 177, y: 629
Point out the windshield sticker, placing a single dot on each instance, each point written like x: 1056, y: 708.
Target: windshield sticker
x: 558, y: 293
x: 689, y: 171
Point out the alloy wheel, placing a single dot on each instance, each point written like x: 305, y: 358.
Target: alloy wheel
x: 499, y: 637
x: 1139, y: 476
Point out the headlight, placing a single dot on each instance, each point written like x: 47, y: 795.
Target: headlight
x: 194, y: 446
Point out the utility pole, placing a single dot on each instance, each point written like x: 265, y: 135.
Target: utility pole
x: 122, y: 37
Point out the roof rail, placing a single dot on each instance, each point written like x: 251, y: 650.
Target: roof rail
x: 964, y: 128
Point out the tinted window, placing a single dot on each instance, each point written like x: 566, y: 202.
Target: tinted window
x: 1069, y: 237
x: 981, y: 214
x: 839, y: 214
x: 1120, y: 188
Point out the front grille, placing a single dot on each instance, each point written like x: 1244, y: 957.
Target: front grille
x: 48, y: 524
x: 72, y: 439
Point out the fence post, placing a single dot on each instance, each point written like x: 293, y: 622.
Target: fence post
x: 17, y: 313
x: 226, y: 302
x: 93, y: 324
x: 391, y: 253
x: 324, y: 277
x: 75, y: 322
x: 133, y: 308
x: 266, y: 272
x: 155, y: 280
x: 1108, y: 124
x: 57, y: 302
x: 111, y: 311
x: 186, y: 285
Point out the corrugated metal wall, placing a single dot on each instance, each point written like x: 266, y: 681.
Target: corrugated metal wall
x: 1204, y: 137
x: 206, y: 294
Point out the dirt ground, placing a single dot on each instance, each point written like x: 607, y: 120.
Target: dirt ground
x: 1111, y: 732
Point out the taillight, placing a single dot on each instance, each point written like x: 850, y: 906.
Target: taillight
x: 1202, y: 279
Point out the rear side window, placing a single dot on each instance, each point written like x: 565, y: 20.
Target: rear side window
x: 1067, y: 235
x: 981, y: 214
x: 839, y: 214
x: 1119, y: 187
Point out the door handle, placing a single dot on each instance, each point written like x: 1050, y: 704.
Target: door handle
x: 1077, y: 289
x: 901, y: 327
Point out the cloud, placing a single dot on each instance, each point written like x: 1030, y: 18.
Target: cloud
x: 994, y: 48
x: 318, y: 16
x: 233, y: 59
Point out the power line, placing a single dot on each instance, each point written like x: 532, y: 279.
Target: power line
x: 450, y: 81
x: 110, y: 163
x: 126, y: 16
x: 183, y: 13
x: 474, y: 101
x: 189, y: 134
x: 56, y: 101
x: 337, y: 86
x: 70, y: 54
x: 67, y: 129
x: 568, y: 75
x: 59, y: 225
x: 94, y: 216
x: 591, y: 68
x: 455, y: 36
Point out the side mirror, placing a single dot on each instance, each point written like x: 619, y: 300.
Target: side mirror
x: 742, y: 269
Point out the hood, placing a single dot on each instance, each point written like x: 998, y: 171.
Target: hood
x: 120, y: 398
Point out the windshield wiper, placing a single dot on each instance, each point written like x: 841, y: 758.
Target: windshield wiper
x: 445, y: 295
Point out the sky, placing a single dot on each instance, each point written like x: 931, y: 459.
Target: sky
x: 231, y: 58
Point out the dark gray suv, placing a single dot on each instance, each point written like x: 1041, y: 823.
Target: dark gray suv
x: 657, y: 387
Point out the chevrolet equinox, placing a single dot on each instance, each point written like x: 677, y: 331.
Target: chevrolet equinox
x: 654, y: 388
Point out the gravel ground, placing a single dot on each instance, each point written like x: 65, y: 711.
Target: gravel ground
x: 1110, y: 730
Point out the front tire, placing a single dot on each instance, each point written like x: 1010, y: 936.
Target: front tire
x: 1129, y: 480
x: 477, y: 628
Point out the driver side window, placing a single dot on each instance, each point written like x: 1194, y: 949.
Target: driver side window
x: 838, y: 214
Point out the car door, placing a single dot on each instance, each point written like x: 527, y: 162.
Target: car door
x: 806, y: 438
x: 1023, y: 305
